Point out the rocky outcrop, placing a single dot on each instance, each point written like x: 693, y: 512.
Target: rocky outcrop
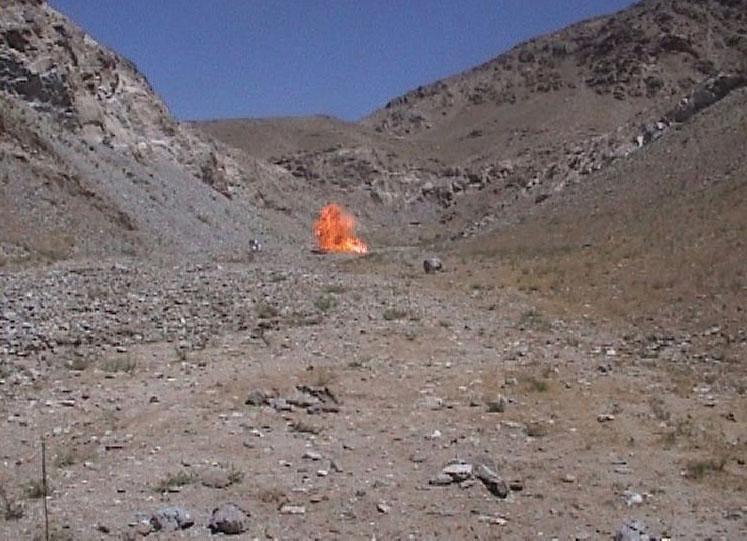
x: 100, y: 166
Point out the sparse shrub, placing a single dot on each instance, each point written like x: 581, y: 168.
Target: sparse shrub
x: 12, y: 510
x: 393, y: 314
x: 73, y: 455
x: 658, y: 408
x: 172, y: 480
x: 536, y: 429
x: 297, y: 319
x: 697, y: 469
x: 335, y: 288
x: 535, y: 384
x: 78, y: 363
x: 55, y: 535
x: 125, y: 364
x: 278, y: 277
x: 235, y: 475
x: 181, y: 353
x: 34, y: 490
x: 324, y: 303
x: 323, y: 375
x: 533, y: 319
x: 305, y: 428
x: 265, y: 310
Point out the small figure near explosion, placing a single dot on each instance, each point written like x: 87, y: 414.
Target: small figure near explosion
x: 333, y: 231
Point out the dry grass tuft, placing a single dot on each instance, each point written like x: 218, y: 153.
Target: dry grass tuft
x: 174, y: 480
x: 126, y: 364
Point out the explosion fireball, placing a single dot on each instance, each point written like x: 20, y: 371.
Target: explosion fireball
x: 334, y: 231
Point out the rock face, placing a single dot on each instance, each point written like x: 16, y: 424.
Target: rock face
x: 100, y: 165
x: 705, y: 94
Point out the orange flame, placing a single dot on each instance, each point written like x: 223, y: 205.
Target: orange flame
x: 334, y: 231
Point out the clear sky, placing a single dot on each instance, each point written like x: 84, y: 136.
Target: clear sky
x: 257, y: 58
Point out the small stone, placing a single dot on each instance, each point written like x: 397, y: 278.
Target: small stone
x: 288, y: 509
x: 486, y: 471
x: 312, y: 455
x: 143, y: 528
x: 432, y: 403
x: 432, y: 264
x: 170, y: 519
x: 633, y: 530
x: 568, y: 478
x: 459, y: 471
x: 489, y: 519
x: 442, y: 479
x: 256, y: 398
x: 382, y: 507
x: 229, y: 519
x: 605, y: 417
x: 633, y: 498
x: 280, y: 404
x: 517, y: 485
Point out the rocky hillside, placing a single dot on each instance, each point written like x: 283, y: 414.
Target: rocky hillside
x: 548, y: 114
x: 93, y: 163
x: 654, y: 51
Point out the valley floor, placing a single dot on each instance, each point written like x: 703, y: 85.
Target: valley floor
x: 325, y: 398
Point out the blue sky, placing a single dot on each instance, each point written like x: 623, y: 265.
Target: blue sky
x: 258, y: 58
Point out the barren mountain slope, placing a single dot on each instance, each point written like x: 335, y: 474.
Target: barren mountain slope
x: 657, y: 238
x: 544, y: 116
x: 94, y: 164
x: 649, y: 53
x: 270, y: 138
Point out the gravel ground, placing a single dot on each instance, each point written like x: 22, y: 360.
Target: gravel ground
x: 352, y: 397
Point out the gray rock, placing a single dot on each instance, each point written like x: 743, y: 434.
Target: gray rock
x: 459, y: 471
x: 256, y: 398
x: 170, y: 519
x: 303, y: 400
x: 633, y: 530
x: 288, y: 509
x: 280, y: 404
x: 442, y: 479
x: 229, y: 519
x: 486, y: 471
x: 312, y: 455
x: 432, y: 264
